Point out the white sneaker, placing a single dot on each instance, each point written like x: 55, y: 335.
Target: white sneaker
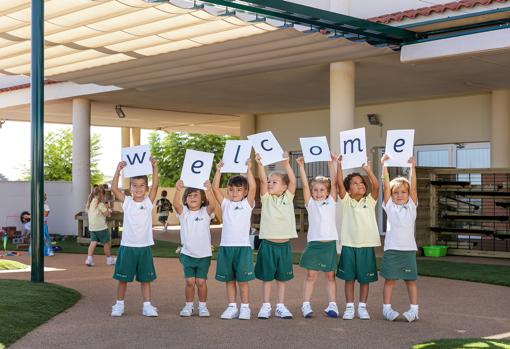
x: 282, y: 312
x: 150, y: 310
x: 230, y: 313
x: 363, y: 313
x: 203, y: 311
x: 348, y: 313
x: 332, y: 310
x: 187, y: 310
x: 110, y: 260
x: 117, y: 310
x: 265, y: 311
x: 411, y: 315
x: 390, y: 314
x: 245, y: 313
x: 89, y: 262
x: 307, y: 311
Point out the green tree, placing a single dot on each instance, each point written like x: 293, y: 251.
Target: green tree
x: 58, y: 157
x: 170, y: 150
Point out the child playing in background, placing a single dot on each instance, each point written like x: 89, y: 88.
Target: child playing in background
x: 48, y: 250
x: 195, y: 212
x: 163, y: 208
x: 320, y: 252
x: 135, y: 256
x: 277, y: 227
x: 399, y: 259
x: 97, y: 213
x: 359, y: 236
x: 235, y: 261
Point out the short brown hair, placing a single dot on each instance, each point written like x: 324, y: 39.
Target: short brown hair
x: 283, y: 176
x: 203, y: 197
x: 321, y: 180
x: 145, y: 178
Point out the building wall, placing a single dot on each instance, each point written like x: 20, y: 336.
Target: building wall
x: 436, y: 121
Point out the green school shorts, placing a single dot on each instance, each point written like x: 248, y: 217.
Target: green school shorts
x: 195, y: 267
x: 399, y: 265
x: 134, y: 261
x: 102, y: 236
x: 320, y: 256
x: 274, y: 261
x: 357, y: 263
x: 234, y: 263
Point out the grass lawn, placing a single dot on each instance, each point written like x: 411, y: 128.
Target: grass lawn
x: 25, y: 305
x: 464, y: 343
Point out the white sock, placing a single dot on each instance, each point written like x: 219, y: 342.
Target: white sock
x: 234, y: 305
x: 266, y: 305
x: 362, y: 305
x: 349, y: 305
x: 146, y: 304
x: 245, y: 305
x: 89, y: 258
x: 189, y: 304
x: 386, y: 306
x: 306, y: 303
x: 120, y: 302
x: 279, y: 305
x: 414, y: 307
x: 332, y: 304
x: 201, y: 304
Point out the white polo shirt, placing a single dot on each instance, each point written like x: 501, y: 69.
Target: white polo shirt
x: 236, y: 222
x: 137, y: 225
x: 401, y: 220
x: 195, y: 232
x: 321, y: 220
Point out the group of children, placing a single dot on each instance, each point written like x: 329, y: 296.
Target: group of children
x: 359, y: 237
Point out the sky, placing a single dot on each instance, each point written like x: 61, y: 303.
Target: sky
x: 15, y: 146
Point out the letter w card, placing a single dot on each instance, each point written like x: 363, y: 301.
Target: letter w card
x: 399, y: 146
x: 315, y: 149
x: 235, y: 155
x: 196, y: 168
x: 138, y: 161
x: 353, y: 148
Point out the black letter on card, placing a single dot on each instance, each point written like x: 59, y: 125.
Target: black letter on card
x: 351, y: 142
x: 399, y: 143
x: 262, y: 145
x: 196, y: 166
x: 135, y: 157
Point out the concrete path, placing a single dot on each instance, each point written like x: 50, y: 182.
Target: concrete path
x: 448, y: 308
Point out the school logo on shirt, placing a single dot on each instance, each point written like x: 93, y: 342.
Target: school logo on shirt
x: 238, y: 208
x: 198, y: 219
x: 142, y: 208
x: 325, y: 203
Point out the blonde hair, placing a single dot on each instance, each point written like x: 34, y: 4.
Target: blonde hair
x: 97, y: 192
x: 321, y: 180
x: 283, y: 176
x: 399, y: 181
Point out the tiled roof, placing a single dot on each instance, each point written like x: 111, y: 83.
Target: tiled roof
x: 427, y: 11
x: 23, y: 86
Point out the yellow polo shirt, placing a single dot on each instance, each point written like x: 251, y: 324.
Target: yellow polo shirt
x: 97, y: 220
x: 359, y: 225
x: 277, y: 218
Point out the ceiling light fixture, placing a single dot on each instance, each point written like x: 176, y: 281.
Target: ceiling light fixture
x: 119, y: 111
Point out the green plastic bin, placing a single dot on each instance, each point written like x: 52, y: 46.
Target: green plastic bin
x: 435, y: 251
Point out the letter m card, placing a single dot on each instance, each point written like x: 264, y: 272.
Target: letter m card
x: 196, y: 168
x: 138, y: 161
x: 353, y: 148
x: 399, y: 147
x: 315, y: 149
x: 235, y: 155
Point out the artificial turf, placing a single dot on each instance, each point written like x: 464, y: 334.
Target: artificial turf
x: 25, y: 305
x: 464, y: 343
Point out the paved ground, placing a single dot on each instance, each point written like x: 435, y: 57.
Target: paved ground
x: 448, y: 309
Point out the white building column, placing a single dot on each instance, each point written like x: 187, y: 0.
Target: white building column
x: 135, y: 136
x: 247, y: 125
x: 81, y: 153
x: 500, y: 135
x: 341, y: 100
x: 125, y: 142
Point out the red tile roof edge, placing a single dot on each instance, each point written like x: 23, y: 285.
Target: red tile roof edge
x: 23, y: 86
x: 427, y: 11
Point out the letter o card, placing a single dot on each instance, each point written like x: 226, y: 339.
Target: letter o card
x: 353, y: 148
x: 235, y: 155
x: 138, y: 161
x: 266, y: 145
x: 315, y: 149
x: 196, y: 168
x: 399, y: 147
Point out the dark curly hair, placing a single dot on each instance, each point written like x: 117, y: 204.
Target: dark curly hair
x: 348, y: 179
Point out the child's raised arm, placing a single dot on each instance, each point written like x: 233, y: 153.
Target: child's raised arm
x: 386, y: 179
x: 252, y: 184
x: 413, y: 191
x: 290, y: 172
x: 155, y: 180
x: 210, y: 197
x: 304, y: 179
x: 340, y: 178
x: 177, y: 201
x: 332, y: 175
x: 115, y: 182
x: 216, y: 183
x: 373, y: 180
x: 262, y: 175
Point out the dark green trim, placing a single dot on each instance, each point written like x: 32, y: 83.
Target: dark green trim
x: 37, y: 122
x: 458, y: 34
